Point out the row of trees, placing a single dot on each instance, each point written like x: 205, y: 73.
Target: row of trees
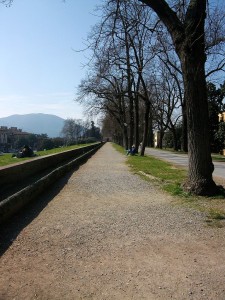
x: 78, y: 131
x: 74, y: 131
x: 216, y: 95
x: 141, y: 78
x: 152, y: 58
x: 36, y: 141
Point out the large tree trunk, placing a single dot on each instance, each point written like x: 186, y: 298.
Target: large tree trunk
x: 192, y: 55
x: 131, y: 123
x: 150, y: 141
x: 184, y: 142
x: 161, y: 135
x: 175, y: 141
x: 189, y: 41
x: 137, y: 139
x: 200, y: 161
x: 145, y: 134
x: 125, y: 137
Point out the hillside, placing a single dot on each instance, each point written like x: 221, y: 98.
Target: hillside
x: 35, y: 123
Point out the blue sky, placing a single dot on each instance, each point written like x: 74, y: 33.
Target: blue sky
x: 39, y: 71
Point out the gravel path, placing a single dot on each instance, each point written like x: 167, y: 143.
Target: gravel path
x: 104, y: 233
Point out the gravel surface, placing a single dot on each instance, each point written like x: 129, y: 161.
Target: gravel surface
x: 104, y: 233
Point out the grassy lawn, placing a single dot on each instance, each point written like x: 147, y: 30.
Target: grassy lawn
x: 218, y: 157
x: 170, y: 178
x: 7, y: 158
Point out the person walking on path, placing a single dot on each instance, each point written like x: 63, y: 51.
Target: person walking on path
x: 104, y: 233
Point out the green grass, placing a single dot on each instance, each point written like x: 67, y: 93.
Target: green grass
x: 170, y: 179
x: 119, y: 148
x: 215, y: 217
x: 61, y: 149
x: 218, y: 157
x: 7, y: 158
x: 216, y: 214
x: 157, y: 168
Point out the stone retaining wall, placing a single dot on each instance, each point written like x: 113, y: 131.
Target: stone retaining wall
x: 17, y: 173
x: 15, y: 202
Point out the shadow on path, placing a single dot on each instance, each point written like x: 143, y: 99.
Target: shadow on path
x: 12, y: 227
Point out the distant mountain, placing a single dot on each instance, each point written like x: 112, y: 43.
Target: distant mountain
x: 35, y: 123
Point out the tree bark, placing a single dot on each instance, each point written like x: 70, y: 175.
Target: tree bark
x: 125, y: 137
x: 184, y: 142
x: 200, y: 161
x: 131, y: 123
x: 188, y: 39
x: 146, y: 127
x: 150, y: 141
x: 175, y: 141
x: 137, y: 140
x: 161, y: 135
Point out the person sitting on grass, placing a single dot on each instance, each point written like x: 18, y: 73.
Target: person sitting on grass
x: 26, y: 151
x: 131, y: 151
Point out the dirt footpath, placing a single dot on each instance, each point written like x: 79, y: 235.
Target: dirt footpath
x: 104, y: 233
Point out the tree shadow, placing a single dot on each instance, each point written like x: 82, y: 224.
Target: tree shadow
x: 10, y: 229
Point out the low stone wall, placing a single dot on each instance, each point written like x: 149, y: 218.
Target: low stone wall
x: 17, y: 173
x: 15, y: 202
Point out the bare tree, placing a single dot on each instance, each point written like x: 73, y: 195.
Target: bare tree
x: 120, y: 66
x: 6, y: 2
x: 188, y: 35
x: 72, y: 130
x: 167, y: 108
x: 103, y: 93
x: 215, y: 43
x: 214, y: 47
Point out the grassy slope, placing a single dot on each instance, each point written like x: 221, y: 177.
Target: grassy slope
x: 7, y: 158
x: 170, y: 179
